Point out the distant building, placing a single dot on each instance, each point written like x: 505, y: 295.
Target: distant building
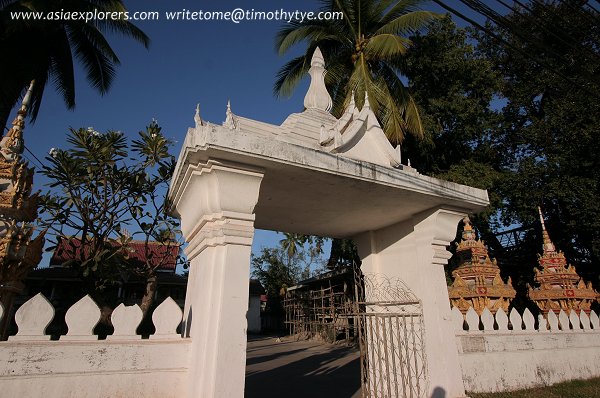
x: 255, y: 306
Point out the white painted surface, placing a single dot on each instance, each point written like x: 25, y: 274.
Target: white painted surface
x: 515, y: 360
x: 504, y: 360
x: 126, y: 319
x: 166, y: 318
x: 318, y: 175
x: 32, y: 318
x: 81, y: 319
x: 94, y: 369
x: 216, y: 204
x: 415, y: 251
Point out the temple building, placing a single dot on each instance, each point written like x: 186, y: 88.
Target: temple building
x: 19, y: 252
x: 477, y: 281
x: 560, y: 287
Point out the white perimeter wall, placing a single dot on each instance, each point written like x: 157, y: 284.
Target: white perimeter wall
x: 98, y: 369
x: 529, y: 354
x: 502, y: 362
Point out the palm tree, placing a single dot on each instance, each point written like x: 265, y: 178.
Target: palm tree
x: 43, y: 50
x: 291, y: 243
x: 363, y: 54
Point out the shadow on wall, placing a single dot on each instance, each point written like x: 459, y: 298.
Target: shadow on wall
x: 186, y: 326
x: 438, y: 392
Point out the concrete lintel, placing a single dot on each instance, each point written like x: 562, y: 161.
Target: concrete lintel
x: 310, y: 191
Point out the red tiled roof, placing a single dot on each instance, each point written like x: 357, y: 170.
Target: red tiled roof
x: 69, y: 249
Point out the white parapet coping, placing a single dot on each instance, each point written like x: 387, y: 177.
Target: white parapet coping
x: 312, y: 191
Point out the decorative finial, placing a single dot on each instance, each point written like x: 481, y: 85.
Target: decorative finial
x: 12, y: 144
x: 408, y: 162
x: 317, y: 96
x: 367, y: 103
x: 548, y: 245
x: 468, y: 233
x: 399, y: 153
x: 197, y: 119
x: 352, y: 104
x: 229, y: 118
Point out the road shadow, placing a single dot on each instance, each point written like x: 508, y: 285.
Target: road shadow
x: 303, y: 370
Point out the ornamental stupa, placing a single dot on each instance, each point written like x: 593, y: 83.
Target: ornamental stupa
x: 19, y: 253
x: 477, y: 281
x: 561, y: 288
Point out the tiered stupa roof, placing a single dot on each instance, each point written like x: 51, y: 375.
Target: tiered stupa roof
x: 19, y: 253
x: 477, y: 280
x: 560, y: 285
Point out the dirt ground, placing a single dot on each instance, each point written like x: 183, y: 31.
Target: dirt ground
x: 299, y: 369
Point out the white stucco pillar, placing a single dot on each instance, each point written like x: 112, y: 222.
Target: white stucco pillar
x: 216, y: 206
x: 415, y: 252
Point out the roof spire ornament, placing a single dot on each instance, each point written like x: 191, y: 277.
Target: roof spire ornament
x: 468, y: 233
x: 560, y: 287
x: 548, y: 245
x: 229, y: 122
x: 197, y: 119
x: 12, y: 144
x: 317, y: 96
x: 477, y: 281
x: 19, y: 251
x: 367, y: 103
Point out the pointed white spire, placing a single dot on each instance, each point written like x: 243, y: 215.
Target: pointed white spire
x: 27, y: 97
x: 12, y: 144
x: 548, y: 245
x: 197, y: 119
x: 229, y: 122
x: 352, y: 104
x: 367, y: 103
x: 399, y: 153
x: 317, y: 96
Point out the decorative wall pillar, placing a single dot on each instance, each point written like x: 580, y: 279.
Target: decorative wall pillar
x: 216, y: 202
x: 415, y: 252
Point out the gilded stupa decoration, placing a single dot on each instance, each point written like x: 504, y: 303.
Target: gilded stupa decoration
x: 560, y: 287
x: 477, y: 281
x: 19, y: 251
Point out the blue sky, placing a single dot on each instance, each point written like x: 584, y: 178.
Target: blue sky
x: 188, y: 62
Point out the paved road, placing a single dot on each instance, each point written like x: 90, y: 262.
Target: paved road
x: 300, y: 369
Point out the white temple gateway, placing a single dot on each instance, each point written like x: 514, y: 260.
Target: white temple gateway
x: 313, y: 174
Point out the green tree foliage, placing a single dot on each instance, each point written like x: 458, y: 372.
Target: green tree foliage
x: 343, y: 254
x: 100, y: 187
x: 519, y: 118
x: 43, y: 50
x: 363, y: 54
x: 551, y: 122
x: 455, y: 88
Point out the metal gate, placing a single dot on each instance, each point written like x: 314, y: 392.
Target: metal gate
x: 390, y: 330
